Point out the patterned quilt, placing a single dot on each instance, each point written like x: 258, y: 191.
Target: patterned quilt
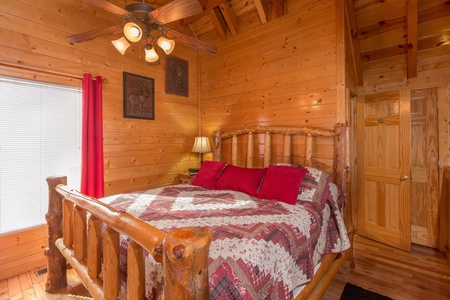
x: 261, y: 249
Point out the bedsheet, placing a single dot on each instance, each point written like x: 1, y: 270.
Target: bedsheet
x: 261, y: 249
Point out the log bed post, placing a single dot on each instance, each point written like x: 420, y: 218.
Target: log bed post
x: 342, y: 171
x: 217, y: 146
x: 185, y: 261
x: 56, y: 266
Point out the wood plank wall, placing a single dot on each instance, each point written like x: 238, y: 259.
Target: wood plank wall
x: 22, y: 251
x: 139, y: 154
x: 281, y: 73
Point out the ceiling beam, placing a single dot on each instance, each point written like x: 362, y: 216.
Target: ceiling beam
x: 229, y: 17
x: 412, y: 34
x: 219, y: 22
x: 207, y: 7
x: 262, y: 6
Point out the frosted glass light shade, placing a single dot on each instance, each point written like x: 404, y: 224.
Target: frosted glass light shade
x: 132, y: 32
x: 121, y: 45
x: 166, y: 44
x: 150, y: 54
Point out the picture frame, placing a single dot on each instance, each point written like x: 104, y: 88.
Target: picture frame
x: 138, y: 96
x: 177, y: 76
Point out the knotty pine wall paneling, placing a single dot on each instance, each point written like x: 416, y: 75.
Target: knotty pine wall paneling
x: 138, y: 154
x: 22, y: 251
x: 281, y: 73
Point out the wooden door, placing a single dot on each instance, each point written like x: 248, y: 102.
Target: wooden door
x: 383, y: 166
x: 424, y: 167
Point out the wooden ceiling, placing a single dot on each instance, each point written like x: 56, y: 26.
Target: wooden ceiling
x: 380, y: 29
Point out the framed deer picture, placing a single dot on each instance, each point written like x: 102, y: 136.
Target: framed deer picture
x: 138, y: 97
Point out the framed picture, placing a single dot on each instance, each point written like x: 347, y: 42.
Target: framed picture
x: 138, y: 97
x: 177, y: 76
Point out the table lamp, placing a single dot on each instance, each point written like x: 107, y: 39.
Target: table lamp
x: 201, y: 145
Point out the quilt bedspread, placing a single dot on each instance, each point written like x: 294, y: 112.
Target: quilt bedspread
x: 261, y: 249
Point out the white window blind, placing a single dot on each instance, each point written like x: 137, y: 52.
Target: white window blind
x: 40, y: 136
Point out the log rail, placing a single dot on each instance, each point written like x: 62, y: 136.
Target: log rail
x: 218, y: 137
x: 90, y: 244
x: 85, y: 232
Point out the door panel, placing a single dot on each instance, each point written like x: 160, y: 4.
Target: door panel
x: 424, y: 167
x: 383, y: 204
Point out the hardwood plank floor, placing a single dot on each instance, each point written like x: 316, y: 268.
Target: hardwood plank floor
x: 29, y: 286
x: 422, y: 274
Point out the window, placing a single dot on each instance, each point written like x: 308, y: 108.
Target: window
x: 40, y: 136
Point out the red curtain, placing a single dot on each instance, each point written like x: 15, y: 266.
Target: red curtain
x: 92, y: 177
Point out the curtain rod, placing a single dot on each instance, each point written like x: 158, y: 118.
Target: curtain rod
x: 29, y: 68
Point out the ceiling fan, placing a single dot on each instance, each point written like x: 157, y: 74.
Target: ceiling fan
x: 145, y: 24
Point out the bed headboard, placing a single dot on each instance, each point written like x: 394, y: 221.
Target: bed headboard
x: 252, y: 152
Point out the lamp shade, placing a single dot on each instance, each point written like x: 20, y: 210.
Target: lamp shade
x: 133, y: 32
x: 121, y: 45
x: 150, y: 54
x: 166, y: 44
x: 201, y: 145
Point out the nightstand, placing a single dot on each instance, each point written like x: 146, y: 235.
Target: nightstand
x: 184, y: 178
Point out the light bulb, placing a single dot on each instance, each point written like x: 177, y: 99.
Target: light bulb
x: 132, y: 32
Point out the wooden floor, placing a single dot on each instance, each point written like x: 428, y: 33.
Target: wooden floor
x: 29, y: 286
x: 422, y: 274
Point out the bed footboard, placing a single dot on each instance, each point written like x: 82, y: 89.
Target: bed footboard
x: 86, y: 233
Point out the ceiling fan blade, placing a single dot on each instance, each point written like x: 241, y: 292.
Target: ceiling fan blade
x: 190, y: 41
x: 176, y: 10
x: 90, y: 35
x: 108, y: 7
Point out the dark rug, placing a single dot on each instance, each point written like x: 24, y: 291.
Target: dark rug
x: 353, y: 292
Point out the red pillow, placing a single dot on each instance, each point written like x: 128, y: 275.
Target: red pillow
x: 282, y: 183
x: 246, y: 180
x: 208, y: 174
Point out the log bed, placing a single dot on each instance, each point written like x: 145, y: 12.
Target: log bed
x: 84, y: 232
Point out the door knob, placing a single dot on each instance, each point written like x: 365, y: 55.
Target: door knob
x: 403, y: 178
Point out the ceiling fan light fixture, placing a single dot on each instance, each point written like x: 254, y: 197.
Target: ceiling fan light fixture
x: 166, y: 44
x: 121, y: 45
x: 133, y: 32
x: 150, y: 54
